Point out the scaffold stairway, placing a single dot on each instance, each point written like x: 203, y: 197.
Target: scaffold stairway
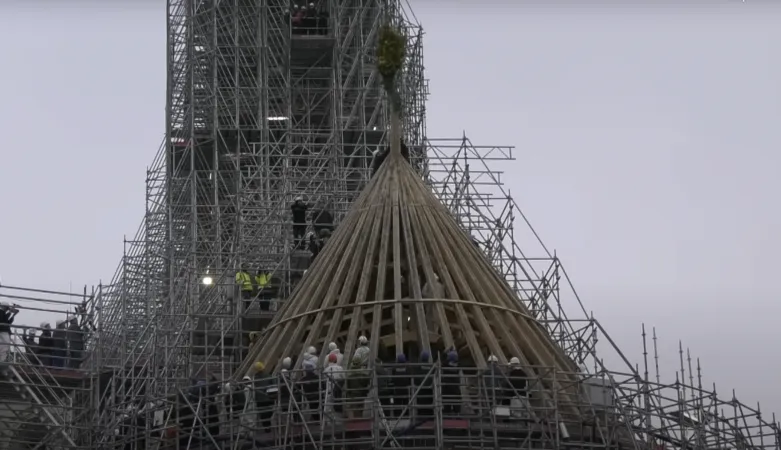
x: 23, y: 382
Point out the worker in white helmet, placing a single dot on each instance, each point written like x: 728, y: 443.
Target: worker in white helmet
x: 493, y: 380
x: 518, y: 380
x: 361, y: 354
x: 309, y: 359
x: 333, y: 349
x: 45, y: 345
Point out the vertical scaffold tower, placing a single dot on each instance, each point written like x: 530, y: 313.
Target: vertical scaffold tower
x: 259, y: 112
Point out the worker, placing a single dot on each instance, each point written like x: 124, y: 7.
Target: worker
x: 7, y: 315
x: 235, y: 400
x: 265, y: 294
x: 451, y: 384
x: 285, y: 386
x: 361, y: 354
x: 334, y: 383
x: 31, y: 348
x: 60, y: 341
x: 248, y: 419
x: 310, y: 20
x: 299, y: 209
x: 265, y: 395
x: 311, y: 386
x: 333, y: 349
x: 75, y: 343
x: 493, y: 380
x: 518, y: 389
x: 324, y: 236
x: 310, y: 358
x: 45, y: 345
x: 298, y: 19
x: 379, y: 157
x: 246, y: 288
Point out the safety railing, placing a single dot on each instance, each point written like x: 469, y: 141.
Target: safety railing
x: 393, y: 404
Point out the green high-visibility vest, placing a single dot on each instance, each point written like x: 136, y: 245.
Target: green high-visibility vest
x: 244, y: 280
x: 262, y: 279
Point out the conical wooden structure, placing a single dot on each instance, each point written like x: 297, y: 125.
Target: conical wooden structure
x: 370, y: 279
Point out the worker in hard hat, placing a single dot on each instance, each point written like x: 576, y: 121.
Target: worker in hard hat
x: 45, y: 345
x: 75, y: 342
x: 312, y: 386
x: 358, y: 384
x: 265, y: 294
x: 333, y: 374
x: 517, y: 389
x: 298, y: 210
x: 266, y: 393
x: 309, y: 360
x: 60, y: 340
x: 493, y: 382
x: 248, y: 417
x: 380, y: 155
x: 333, y: 349
x: 361, y: 354
x: 246, y: 286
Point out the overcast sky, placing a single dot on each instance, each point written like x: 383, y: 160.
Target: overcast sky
x: 647, y: 144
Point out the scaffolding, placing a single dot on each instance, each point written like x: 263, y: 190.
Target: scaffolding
x: 258, y: 113
x: 49, y: 389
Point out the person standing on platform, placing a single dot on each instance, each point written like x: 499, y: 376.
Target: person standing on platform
x: 7, y: 315
x: 265, y: 294
x: 45, y: 345
x: 75, y: 343
x: 299, y: 209
x: 60, y: 341
x: 245, y: 286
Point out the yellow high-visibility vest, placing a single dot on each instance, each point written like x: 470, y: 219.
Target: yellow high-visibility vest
x: 262, y: 279
x: 244, y: 280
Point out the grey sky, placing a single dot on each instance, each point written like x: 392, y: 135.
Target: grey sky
x: 647, y: 142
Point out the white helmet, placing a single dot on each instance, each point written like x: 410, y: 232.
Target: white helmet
x: 60, y: 322
x: 311, y: 350
x: 45, y: 325
x: 493, y: 358
x: 299, y: 198
x: 287, y: 362
x: 514, y: 360
x: 362, y: 340
x: 246, y: 378
x: 227, y: 386
x: 332, y: 346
